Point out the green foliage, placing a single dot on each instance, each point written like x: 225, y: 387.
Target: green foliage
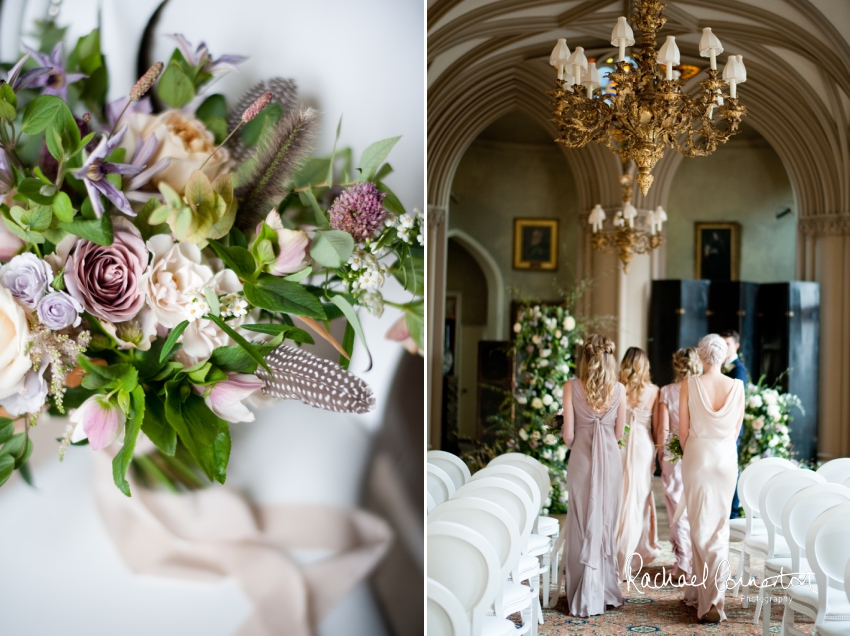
x: 213, y: 112
x: 331, y: 248
x: 277, y: 295
x: 374, y: 156
x: 8, y: 103
x: 175, y: 86
x: 205, y: 211
x: 121, y: 461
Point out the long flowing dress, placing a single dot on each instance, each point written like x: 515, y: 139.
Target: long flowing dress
x: 595, y: 481
x: 709, y: 473
x: 671, y: 482
x: 637, y: 531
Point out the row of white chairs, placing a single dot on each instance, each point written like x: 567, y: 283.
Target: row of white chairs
x: 798, y: 521
x: 485, y: 538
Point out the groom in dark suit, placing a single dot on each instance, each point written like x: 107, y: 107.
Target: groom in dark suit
x: 734, y: 368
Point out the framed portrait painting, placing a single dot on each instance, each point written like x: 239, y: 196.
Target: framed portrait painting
x: 536, y: 244
x: 717, y: 251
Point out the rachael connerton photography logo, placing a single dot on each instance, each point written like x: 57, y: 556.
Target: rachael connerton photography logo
x: 723, y: 579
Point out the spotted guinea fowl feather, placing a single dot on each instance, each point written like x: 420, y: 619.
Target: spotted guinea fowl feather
x: 299, y: 375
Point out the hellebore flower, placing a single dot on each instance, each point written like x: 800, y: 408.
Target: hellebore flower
x: 225, y: 397
x: 94, y: 170
x: 293, y: 245
x: 201, y: 55
x: 359, y: 211
x: 55, y: 81
x: 145, y: 149
x: 18, y: 81
x: 99, y: 420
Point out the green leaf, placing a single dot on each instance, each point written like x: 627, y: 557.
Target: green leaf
x: 221, y: 452
x: 415, y: 316
x: 7, y: 429
x: 253, y: 130
x: 309, y: 199
x: 7, y: 467
x: 142, y: 217
x: 351, y: 315
x: 8, y: 102
x: 121, y: 461
x: 96, y: 86
x: 40, y: 112
x: 97, y: 231
x: 236, y: 258
x: 37, y: 219
x: 172, y: 340
x: 374, y: 156
x: 213, y: 112
x: 249, y: 348
x: 175, y: 88
x: 297, y: 277
x: 38, y: 191
x: 291, y: 333
x: 234, y: 359
x: 330, y: 177
x: 14, y: 448
x: 62, y: 133
x: 62, y: 207
x: 278, y: 295
x: 196, y: 425
x: 347, y: 345
x: 410, y: 270
x: 155, y: 425
x: 391, y: 201
x: 331, y: 248
x: 212, y: 301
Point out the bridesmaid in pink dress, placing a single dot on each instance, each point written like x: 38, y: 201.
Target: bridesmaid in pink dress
x: 637, y: 532
x: 685, y: 364
x: 711, y: 411
x: 594, y: 419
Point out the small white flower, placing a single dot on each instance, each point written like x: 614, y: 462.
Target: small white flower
x: 535, y: 339
x: 523, y: 434
x: 545, y: 353
x: 774, y: 412
x: 535, y: 435
x: 547, y: 454
x: 522, y: 400
x: 770, y: 397
x: 543, y: 363
x: 562, y: 455
x: 536, y: 403
x: 758, y: 424
x: 569, y: 323
x: 406, y: 221
x: 547, y: 399
x: 517, y: 328
x: 565, y: 341
x: 755, y: 401
x: 558, y: 333
x: 773, y: 441
x: 550, y: 439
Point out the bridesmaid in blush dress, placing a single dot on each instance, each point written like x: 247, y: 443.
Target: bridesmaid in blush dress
x: 594, y: 419
x: 637, y: 531
x: 711, y: 410
x: 685, y: 364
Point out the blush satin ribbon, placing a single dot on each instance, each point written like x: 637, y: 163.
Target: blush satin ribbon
x: 596, y: 540
x: 215, y: 533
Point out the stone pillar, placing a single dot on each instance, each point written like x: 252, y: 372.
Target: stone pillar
x: 437, y: 217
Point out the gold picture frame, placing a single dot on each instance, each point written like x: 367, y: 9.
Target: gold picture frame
x: 717, y: 251
x: 536, y: 244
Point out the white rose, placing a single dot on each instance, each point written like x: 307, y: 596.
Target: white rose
x: 535, y: 435
x: 770, y: 397
x: 536, y: 403
x: 550, y: 439
x: 773, y: 412
x: 547, y: 399
x: 14, y: 335
x: 523, y: 434
x: 202, y: 336
x: 558, y: 333
x: 564, y: 341
x: 517, y: 328
x: 181, y: 137
x: 755, y: 402
x: 569, y: 323
x: 522, y: 400
x: 547, y: 454
x: 175, y: 272
x: 535, y: 339
x: 545, y: 353
x: 562, y: 453
x: 543, y: 363
x: 773, y: 441
x: 758, y: 423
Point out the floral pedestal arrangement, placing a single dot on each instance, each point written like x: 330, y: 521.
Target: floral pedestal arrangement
x: 766, y: 419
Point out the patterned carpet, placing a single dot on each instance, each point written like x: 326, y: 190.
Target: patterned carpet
x: 662, y: 611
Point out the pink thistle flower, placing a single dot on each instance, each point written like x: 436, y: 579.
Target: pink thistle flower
x: 359, y: 210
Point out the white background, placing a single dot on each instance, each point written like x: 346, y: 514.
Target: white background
x: 363, y: 60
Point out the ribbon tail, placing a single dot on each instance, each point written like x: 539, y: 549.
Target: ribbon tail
x: 595, y: 539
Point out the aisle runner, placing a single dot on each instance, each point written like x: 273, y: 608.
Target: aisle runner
x: 662, y: 612
x: 214, y: 533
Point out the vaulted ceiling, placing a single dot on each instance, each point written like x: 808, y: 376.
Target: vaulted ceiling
x: 490, y: 57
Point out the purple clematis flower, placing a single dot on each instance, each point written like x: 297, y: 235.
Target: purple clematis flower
x: 201, y: 55
x: 94, y: 170
x: 145, y: 149
x: 55, y: 81
x: 17, y: 81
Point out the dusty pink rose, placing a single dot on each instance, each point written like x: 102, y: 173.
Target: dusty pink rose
x: 108, y: 281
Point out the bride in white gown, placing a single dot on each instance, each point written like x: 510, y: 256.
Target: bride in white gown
x: 711, y: 410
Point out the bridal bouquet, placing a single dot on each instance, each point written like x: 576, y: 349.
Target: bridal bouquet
x: 673, y: 449
x: 164, y: 256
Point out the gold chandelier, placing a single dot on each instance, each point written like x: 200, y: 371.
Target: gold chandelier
x: 644, y: 111
x: 624, y: 237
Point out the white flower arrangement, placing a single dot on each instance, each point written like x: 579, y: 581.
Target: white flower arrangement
x: 766, y: 419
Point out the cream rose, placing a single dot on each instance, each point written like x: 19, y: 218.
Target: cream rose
x: 181, y: 137
x: 175, y: 272
x: 14, y: 334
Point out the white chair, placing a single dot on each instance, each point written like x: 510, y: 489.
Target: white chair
x: 454, y: 466
x: 514, y: 499
x: 750, y: 484
x: 538, y: 546
x: 446, y: 616
x: 838, y: 628
x: 772, y: 546
x: 496, y: 525
x: 431, y: 503
x: 440, y: 485
x: 836, y: 471
x: 463, y: 561
x: 828, y: 550
x: 797, y: 517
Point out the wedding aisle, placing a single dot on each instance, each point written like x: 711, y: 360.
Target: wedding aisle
x: 662, y: 611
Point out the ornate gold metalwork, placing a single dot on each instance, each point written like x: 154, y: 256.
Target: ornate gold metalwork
x: 627, y: 241
x: 647, y: 113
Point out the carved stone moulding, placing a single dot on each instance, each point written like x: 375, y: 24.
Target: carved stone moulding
x: 825, y: 225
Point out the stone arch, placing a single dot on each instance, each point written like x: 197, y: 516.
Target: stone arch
x: 496, y: 325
